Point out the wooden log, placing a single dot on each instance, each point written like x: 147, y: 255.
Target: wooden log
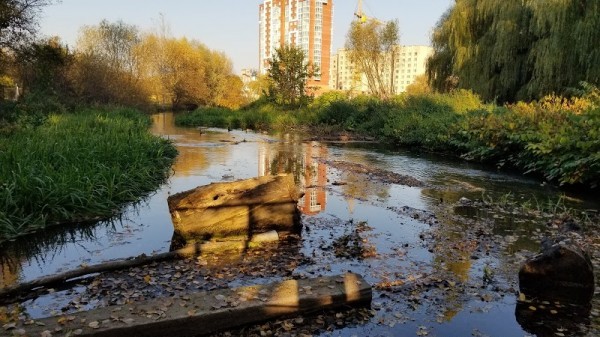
x: 243, y: 207
x: 203, y: 313
x: 143, y: 259
x: 237, y: 244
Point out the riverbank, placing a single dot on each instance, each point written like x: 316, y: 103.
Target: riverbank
x: 78, y: 167
x: 555, y: 138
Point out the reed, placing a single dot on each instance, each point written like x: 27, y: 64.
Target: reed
x: 78, y: 167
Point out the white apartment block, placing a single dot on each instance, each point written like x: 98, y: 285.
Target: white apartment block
x: 410, y: 62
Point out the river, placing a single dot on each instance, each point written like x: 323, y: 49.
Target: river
x: 394, y: 224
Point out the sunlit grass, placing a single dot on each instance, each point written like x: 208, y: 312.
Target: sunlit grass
x: 260, y: 119
x: 78, y: 167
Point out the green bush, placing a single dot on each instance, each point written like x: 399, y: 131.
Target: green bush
x: 554, y: 137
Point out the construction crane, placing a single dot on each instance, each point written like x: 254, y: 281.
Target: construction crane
x: 361, y: 16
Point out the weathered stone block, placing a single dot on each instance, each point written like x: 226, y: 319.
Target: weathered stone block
x: 243, y: 207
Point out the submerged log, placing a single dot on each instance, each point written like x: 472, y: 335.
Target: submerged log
x: 140, y: 260
x: 562, y: 271
x: 243, y: 207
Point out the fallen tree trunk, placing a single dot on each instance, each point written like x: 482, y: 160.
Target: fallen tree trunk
x: 139, y: 260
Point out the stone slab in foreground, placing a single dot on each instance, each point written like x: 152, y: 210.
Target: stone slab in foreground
x: 208, y: 312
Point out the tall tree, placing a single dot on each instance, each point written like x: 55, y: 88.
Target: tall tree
x: 108, y: 67
x: 184, y: 72
x: 288, y: 73
x: 513, y: 50
x: 44, y: 67
x: 113, y: 43
x: 18, y: 20
x: 373, y: 47
x: 18, y: 23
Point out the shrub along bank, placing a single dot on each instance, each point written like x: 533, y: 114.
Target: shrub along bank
x: 556, y: 138
x: 77, y: 167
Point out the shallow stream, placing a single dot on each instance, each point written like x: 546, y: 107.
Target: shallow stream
x: 433, y: 278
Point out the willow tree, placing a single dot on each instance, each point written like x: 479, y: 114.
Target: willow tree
x: 372, y: 48
x: 513, y: 50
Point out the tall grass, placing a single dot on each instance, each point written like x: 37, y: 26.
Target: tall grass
x: 78, y: 167
x: 259, y: 119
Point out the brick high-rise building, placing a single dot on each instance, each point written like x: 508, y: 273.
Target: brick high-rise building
x: 303, y: 23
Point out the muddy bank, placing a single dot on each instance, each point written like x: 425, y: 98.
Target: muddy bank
x: 375, y: 173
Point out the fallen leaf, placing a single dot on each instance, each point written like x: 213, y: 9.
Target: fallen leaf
x: 9, y: 326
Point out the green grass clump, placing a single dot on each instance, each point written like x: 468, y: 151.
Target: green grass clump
x: 78, y: 167
x: 263, y: 117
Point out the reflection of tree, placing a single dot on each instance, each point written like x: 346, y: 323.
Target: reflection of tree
x: 9, y: 271
x: 360, y: 186
x: 452, y: 256
x: 189, y: 161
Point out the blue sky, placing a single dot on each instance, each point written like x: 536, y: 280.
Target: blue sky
x: 231, y: 26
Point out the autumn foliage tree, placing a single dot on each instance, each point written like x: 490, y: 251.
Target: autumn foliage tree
x: 107, y: 68
x: 116, y: 63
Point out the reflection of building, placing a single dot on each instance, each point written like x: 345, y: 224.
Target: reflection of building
x: 303, y: 23
x: 410, y: 62
x: 248, y: 76
x: 313, y: 182
x: 310, y: 173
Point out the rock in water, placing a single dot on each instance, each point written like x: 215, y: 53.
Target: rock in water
x: 243, y: 207
x: 563, y: 271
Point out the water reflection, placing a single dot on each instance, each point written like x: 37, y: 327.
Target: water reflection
x: 217, y: 155
x: 552, y: 319
x: 305, y: 161
x: 10, y: 269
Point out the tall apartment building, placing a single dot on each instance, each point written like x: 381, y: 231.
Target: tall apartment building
x: 304, y: 23
x: 410, y: 62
